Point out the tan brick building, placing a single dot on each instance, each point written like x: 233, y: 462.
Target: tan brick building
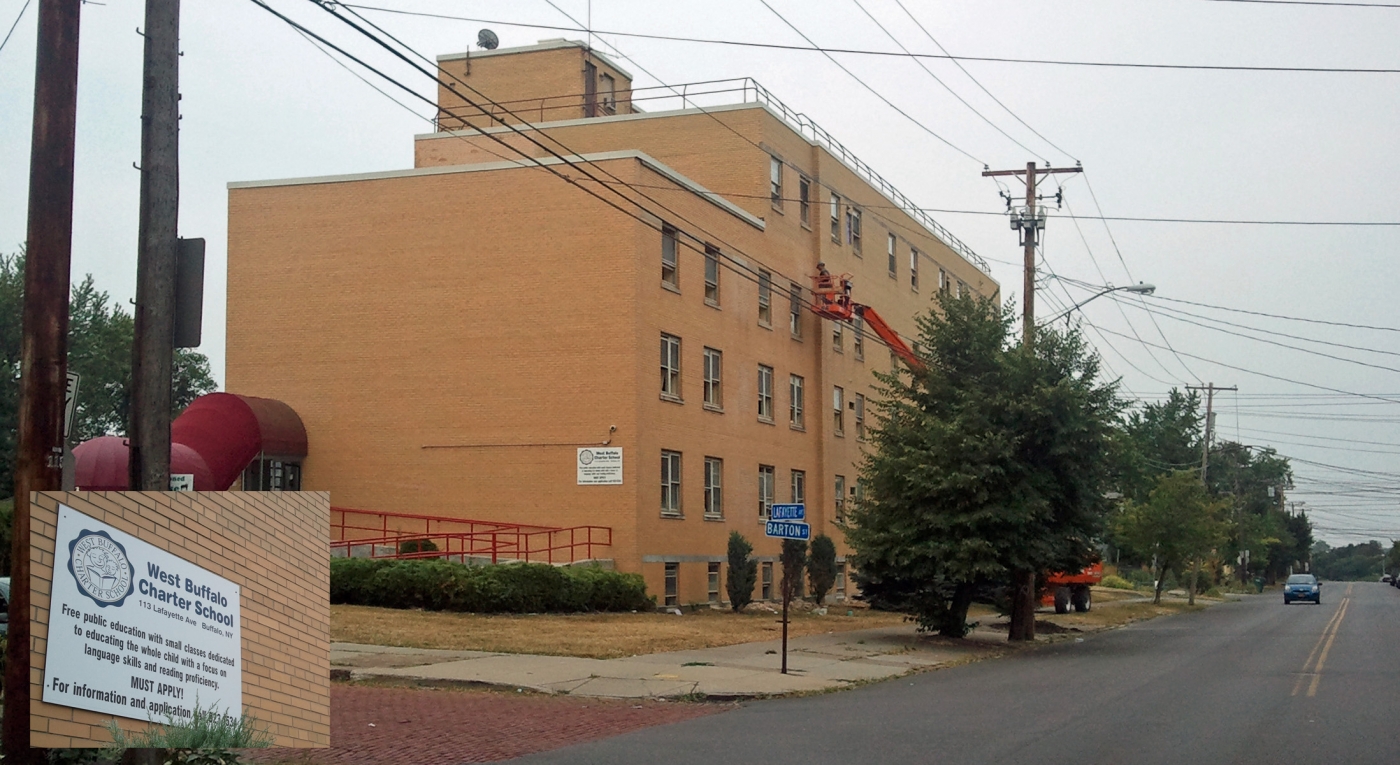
x: 449, y: 334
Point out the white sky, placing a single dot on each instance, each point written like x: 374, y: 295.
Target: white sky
x: 260, y: 102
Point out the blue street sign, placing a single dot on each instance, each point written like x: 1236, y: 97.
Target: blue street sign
x: 788, y: 512
x: 788, y: 529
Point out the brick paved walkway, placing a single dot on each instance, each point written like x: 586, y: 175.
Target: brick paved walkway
x: 374, y: 725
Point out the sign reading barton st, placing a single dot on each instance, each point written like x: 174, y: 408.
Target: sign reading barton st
x: 137, y: 632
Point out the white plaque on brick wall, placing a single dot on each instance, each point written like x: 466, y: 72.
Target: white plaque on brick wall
x: 600, y: 466
x: 137, y: 632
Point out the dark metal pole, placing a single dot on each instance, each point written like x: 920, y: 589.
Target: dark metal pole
x: 787, y: 598
x: 44, y: 342
x: 158, y: 251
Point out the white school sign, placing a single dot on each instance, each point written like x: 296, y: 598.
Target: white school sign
x: 137, y: 632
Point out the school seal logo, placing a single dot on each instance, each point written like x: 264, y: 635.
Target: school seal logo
x: 585, y: 457
x: 100, y: 567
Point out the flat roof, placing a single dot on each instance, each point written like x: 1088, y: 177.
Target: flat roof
x: 647, y: 160
x: 551, y: 44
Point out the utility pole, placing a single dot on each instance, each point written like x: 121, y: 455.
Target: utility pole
x: 1210, y: 390
x: 158, y: 252
x: 1028, y: 222
x: 44, y: 342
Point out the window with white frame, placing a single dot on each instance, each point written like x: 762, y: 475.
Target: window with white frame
x: 840, y: 582
x: 838, y: 397
x: 840, y: 494
x: 609, y: 93
x: 712, y: 581
x: 838, y: 337
x: 775, y: 182
x: 714, y: 390
x: 670, y: 367
x: 766, y: 590
x: 853, y: 228
x: 799, y: 487
x: 913, y: 269
x: 714, y: 488
x: 858, y: 337
x: 766, y: 485
x: 765, y: 298
x: 670, y: 266
x: 796, y: 402
x: 711, y: 275
x: 765, y: 393
x: 670, y: 483
x: 942, y: 280
x: 894, y: 261
x: 673, y: 583
x: 795, y: 310
x: 836, y: 218
x: 804, y: 201
x: 859, y: 402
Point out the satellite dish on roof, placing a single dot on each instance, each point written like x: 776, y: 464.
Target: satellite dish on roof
x: 487, y: 39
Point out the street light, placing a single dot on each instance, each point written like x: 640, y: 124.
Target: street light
x: 1140, y: 288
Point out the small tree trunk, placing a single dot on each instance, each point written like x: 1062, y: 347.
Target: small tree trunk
x: 1022, y: 606
x: 1191, y: 587
x: 1161, y: 581
x: 956, y: 624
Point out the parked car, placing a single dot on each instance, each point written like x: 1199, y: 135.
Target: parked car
x: 1385, y: 578
x: 1302, y: 587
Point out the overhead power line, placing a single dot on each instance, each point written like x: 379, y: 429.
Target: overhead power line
x: 1277, y: 316
x: 1311, y: 2
x: 24, y: 8
x: 813, y: 48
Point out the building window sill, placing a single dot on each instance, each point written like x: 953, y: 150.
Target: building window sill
x: 712, y: 303
x: 715, y: 518
x: 714, y: 408
x: 672, y: 399
x: 798, y: 428
x: 671, y: 287
x: 766, y: 420
x: 672, y: 516
x: 839, y: 433
x: 768, y: 325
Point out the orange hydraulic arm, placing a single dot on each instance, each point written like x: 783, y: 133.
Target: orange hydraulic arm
x: 832, y: 300
x: 887, y: 334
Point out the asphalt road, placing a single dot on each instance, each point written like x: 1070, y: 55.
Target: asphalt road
x: 1252, y: 681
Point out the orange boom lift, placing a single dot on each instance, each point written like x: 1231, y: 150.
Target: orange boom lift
x: 832, y: 300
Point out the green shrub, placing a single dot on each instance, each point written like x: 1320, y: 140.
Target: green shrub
x: 1117, y: 582
x: 207, y: 729
x: 1140, y: 577
x: 743, y: 572
x: 520, y: 588
x: 821, y: 567
x: 417, y: 545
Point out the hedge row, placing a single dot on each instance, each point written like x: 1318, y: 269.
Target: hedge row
x: 514, y: 588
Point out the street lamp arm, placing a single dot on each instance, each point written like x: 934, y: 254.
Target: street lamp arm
x: 1139, y: 288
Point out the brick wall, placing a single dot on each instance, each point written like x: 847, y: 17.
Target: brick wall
x: 274, y: 545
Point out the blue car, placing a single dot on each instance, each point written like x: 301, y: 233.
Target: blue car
x: 1302, y: 587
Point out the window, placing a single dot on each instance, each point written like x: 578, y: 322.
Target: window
x: 860, y: 415
x: 609, y: 94
x: 712, y: 581
x: 765, y: 299
x: 673, y: 583
x: 838, y: 337
x: 859, y: 491
x: 894, y: 262
x: 839, y: 417
x: 942, y: 280
x: 714, y: 488
x: 796, y: 400
x: 804, y: 201
x: 671, y: 367
x: 714, y: 392
x: 799, y: 487
x: 670, y: 483
x: 961, y: 287
x: 670, y: 267
x: 835, y: 218
x: 775, y: 182
x: 858, y: 337
x: 840, y: 497
x: 765, y: 393
x: 766, y: 486
x: 711, y: 275
x: 913, y: 269
x: 795, y: 310
x: 840, y: 582
x: 767, y: 591
x: 853, y: 228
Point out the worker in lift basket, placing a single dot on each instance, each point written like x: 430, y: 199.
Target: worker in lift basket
x: 822, y: 272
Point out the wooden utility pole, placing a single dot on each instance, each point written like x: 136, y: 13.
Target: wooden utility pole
x: 158, y: 252
x: 44, y: 339
x: 1029, y: 223
x: 1210, y: 390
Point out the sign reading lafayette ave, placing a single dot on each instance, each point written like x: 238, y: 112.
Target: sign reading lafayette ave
x: 600, y: 466
x: 788, y: 512
x: 787, y: 529
x: 137, y: 632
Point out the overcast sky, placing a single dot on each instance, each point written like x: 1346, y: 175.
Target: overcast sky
x: 261, y: 102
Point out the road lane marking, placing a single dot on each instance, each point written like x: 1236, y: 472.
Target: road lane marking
x: 1324, y: 642
x: 1349, y: 586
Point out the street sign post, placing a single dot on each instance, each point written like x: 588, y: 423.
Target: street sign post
x: 787, y: 529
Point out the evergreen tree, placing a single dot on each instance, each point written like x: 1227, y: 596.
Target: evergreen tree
x: 794, y: 560
x: 821, y: 567
x: 743, y: 572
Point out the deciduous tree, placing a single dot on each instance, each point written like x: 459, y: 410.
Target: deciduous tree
x: 1178, y: 522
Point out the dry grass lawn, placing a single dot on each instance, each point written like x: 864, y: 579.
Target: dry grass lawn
x: 597, y: 636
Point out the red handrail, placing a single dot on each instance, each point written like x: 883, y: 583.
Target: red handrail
x: 460, y: 538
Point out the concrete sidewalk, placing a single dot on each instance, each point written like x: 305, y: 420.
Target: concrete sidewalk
x: 815, y: 663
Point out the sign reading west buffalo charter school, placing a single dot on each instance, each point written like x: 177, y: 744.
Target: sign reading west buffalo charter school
x: 600, y: 466
x: 137, y: 632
